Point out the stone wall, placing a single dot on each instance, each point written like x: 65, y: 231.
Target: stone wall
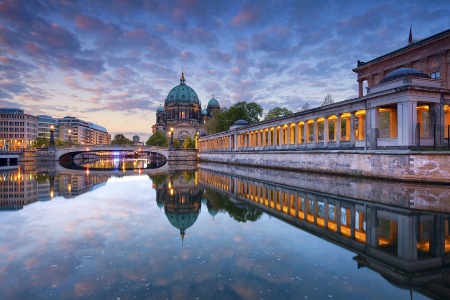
x: 403, y: 166
x: 183, y: 155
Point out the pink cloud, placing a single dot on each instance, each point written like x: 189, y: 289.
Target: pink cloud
x: 249, y: 15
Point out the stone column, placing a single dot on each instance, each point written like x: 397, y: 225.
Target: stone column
x: 281, y: 135
x: 352, y: 129
x: 373, y: 126
x: 288, y: 135
x: 407, y: 122
x: 296, y: 134
x: 326, y: 132
x: 337, y: 130
x: 437, y: 117
x: 307, y: 133
x: 316, y: 132
x: 360, y: 87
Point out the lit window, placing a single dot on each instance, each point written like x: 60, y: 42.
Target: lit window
x: 435, y: 75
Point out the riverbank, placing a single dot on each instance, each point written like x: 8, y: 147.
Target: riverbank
x: 411, y: 166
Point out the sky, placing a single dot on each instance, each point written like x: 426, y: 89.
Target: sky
x: 113, y: 62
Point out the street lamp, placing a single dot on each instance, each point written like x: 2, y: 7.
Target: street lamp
x: 70, y: 137
x: 52, y: 136
x: 171, y: 147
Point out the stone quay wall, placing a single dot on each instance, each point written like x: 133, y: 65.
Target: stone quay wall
x: 391, y: 165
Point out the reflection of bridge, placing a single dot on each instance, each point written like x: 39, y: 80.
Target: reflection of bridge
x: 8, y: 158
x: 408, y: 247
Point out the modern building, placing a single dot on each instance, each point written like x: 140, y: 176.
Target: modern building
x: 100, y: 135
x: 84, y: 133
x: 17, y: 129
x: 182, y: 113
x: 430, y: 55
x: 45, y: 124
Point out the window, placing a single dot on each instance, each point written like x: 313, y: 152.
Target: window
x: 435, y: 75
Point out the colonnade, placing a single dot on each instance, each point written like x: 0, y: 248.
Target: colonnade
x: 346, y: 130
x: 400, y: 125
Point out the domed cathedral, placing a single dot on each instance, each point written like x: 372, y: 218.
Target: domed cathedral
x: 183, y: 112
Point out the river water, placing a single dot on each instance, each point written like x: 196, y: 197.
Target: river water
x: 219, y: 232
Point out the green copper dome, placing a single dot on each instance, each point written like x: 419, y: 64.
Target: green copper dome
x: 204, y: 111
x: 182, y: 93
x: 160, y: 108
x: 213, y: 102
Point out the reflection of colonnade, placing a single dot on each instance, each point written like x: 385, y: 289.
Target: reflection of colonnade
x: 403, y: 112
x: 390, y: 240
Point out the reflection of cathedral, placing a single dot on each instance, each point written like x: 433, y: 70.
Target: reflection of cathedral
x: 180, y: 195
x: 183, y: 112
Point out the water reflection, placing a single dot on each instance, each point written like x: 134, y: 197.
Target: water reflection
x: 220, y: 232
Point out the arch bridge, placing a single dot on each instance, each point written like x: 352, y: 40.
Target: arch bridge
x: 64, y: 153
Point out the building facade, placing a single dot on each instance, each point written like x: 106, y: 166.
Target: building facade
x: 430, y: 55
x: 17, y: 129
x: 182, y: 114
x: 84, y: 133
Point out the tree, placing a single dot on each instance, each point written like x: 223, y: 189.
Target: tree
x: 41, y: 142
x: 250, y: 112
x: 328, y: 100
x: 158, y: 139
x: 188, y: 143
x: 211, y: 124
x: 176, y: 143
x: 120, y: 139
x: 277, y: 112
x: 59, y: 143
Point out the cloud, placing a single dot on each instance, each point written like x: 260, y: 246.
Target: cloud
x: 220, y: 56
x: 89, y: 25
x: 251, y: 14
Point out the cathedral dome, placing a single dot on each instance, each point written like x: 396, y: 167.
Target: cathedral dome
x: 213, y: 102
x: 182, y: 93
x: 182, y: 220
x: 204, y: 111
x: 403, y: 72
x: 160, y: 109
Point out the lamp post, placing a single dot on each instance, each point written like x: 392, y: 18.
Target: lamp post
x: 52, y: 136
x: 70, y: 137
x: 171, y: 147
